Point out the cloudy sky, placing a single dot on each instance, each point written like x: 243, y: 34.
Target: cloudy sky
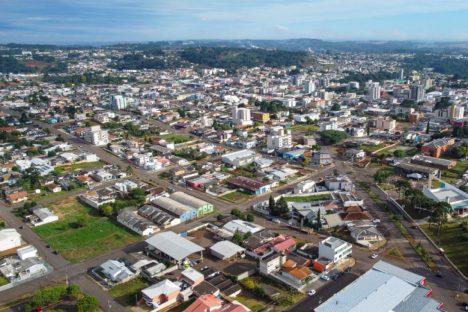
x: 101, y: 21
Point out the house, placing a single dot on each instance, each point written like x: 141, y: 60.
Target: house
x: 456, y: 198
x: 26, y: 252
x: 116, y: 271
x: 271, y: 263
x: 433, y: 162
x: 191, y: 277
x: 438, y: 147
x: 338, y: 183
x: 365, y: 234
x: 298, y: 275
x: 16, y: 197
x: 9, y: 239
x: 355, y: 154
x: 205, y: 303
x: 161, y: 295
x: 42, y: 215
x: 53, y: 188
x: 249, y: 185
x: 334, y: 249
x: 321, y: 159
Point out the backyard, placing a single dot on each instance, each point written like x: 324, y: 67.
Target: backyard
x: 453, y: 239
x: 128, y: 293
x: 82, y: 233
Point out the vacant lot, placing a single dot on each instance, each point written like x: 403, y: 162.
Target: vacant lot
x: 305, y: 128
x: 127, y: 293
x: 452, y: 240
x: 177, y: 138
x: 81, y: 233
x: 78, y: 166
x: 237, y: 197
x: 308, y: 198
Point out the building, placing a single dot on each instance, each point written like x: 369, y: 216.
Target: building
x: 118, y: 102
x: 225, y: 250
x: 417, y: 92
x: 385, y: 124
x: 136, y: 223
x: 271, y: 263
x: 383, y: 288
x: 374, y: 91
x: 9, y: 239
x: 205, y: 303
x: 456, y: 198
x: 309, y: 86
x: 249, y: 185
x: 456, y: 112
x: 191, y: 277
x: 339, y: 183
x: 240, y: 158
x: 172, y: 247
x: 242, y: 227
x: 177, y: 209
x: 241, y: 116
x: 202, y: 207
x: 16, y: 197
x: 116, y: 271
x: 96, y: 136
x: 41, y: 216
x: 321, y: 159
x: 433, y: 162
x: 26, y: 252
x: 261, y: 117
x: 334, y: 249
x: 438, y: 147
x: 279, y: 138
x: 161, y: 295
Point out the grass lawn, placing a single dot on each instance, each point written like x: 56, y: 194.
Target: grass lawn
x: 305, y: 128
x: 395, y: 253
x: 177, y: 138
x: 126, y: 293
x: 47, y: 195
x: 237, y: 197
x: 3, y: 280
x: 253, y: 304
x: 452, y: 241
x: 308, y: 198
x: 461, y: 166
x: 372, y: 148
x: 78, y: 166
x: 81, y: 233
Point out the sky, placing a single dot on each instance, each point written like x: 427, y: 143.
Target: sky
x: 110, y: 21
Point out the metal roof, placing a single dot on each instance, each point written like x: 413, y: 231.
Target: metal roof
x: 403, y: 274
x: 226, y: 248
x: 188, y: 200
x: 173, y: 245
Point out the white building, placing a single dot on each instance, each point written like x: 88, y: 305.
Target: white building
x: 279, y: 138
x: 241, y: 116
x: 118, y: 102
x: 9, y: 239
x: 309, y: 86
x: 271, y: 263
x: 374, y: 91
x: 334, y: 249
x: 42, y: 216
x: 27, y: 252
x: 240, y: 158
x: 456, y: 112
x: 95, y: 135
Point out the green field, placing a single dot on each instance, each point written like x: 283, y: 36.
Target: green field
x: 237, y: 197
x: 308, y: 198
x: 305, y: 128
x: 3, y: 280
x: 452, y: 240
x: 126, y: 293
x: 177, y: 138
x: 78, y: 166
x: 81, y: 233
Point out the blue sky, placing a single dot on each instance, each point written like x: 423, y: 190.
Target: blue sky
x: 101, y: 21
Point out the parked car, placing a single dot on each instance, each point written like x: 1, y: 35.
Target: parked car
x: 325, y: 277
x: 374, y: 256
x: 311, y: 292
x: 278, y: 221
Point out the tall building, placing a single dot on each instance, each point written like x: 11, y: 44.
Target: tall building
x: 309, y: 86
x: 118, y: 102
x: 374, y: 91
x: 417, y: 92
x: 241, y: 116
x: 402, y: 74
x: 456, y: 112
x: 279, y: 138
x: 95, y: 135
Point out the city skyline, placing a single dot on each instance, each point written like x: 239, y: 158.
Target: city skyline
x: 68, y: 22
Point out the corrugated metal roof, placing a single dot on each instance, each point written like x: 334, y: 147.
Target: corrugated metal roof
x: 173, y: 245
x: 226, y: 248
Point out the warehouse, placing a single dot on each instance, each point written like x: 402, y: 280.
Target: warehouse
x: 183, y: 212
x: 240, y: 158
x: 169, y: 246
x: 202, y: 207
x: 249, y: 185
x: 9, y: 239
x: 225, y: 250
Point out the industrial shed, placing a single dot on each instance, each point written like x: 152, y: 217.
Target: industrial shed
x: 226, y: 250
x: 185, y: 213
x: 202, y: 207
x: 172, y: 247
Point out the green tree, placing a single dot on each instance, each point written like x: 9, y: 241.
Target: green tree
x: 250, y: 217
x: 271, y: 204
x: 281, y: 207
x: 330, y: 137
x: 462, y: 150
x: 74, y: 291
x: 402, y: 186
x: 382, y: 175
x: 107, y: 210
x: 399, y: 153
x: 439, y: 215
x: 318, y: 221
x: 87, y: 304
x: 335, y: 107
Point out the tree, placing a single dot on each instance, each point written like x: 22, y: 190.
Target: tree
x: 382, y: 175
x: 462, y: 150
x: 271, y: 204
x: 107, y: 210
x: 74, y: 291
x: 457, y: 132
x: 250, y: 217
x: 402, y: 186
x: 59, y: 138
x: 87, y: 304
x: 24, y: 118
x: 399, y: 153
x: 439, y: 215
x: 335, y: 107
x: 318, y: 224
x: 281, y: 207
x: 138, y: 194
x: 330, y: 137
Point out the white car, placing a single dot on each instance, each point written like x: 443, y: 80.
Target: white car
x: 311, y: 292
x: 325, y: 277
x: 278, y: 221
x: 373, y: 256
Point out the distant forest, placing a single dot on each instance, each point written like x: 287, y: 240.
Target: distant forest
x: 9, y: 64
x: 441, y: 64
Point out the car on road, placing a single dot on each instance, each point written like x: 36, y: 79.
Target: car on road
x: 311, y: 292
x: 325, y: 277
x: 55, y: 252
x: 439, y: 275
x: 278, y: 221
x: 374, y: 256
